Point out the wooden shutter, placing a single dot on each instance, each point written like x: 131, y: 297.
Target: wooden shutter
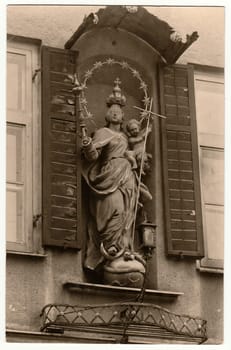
x: 183, y: 216
x: 61, y: 173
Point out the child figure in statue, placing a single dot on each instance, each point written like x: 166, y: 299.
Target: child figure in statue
x: 113, y: 194
x: 136, y: 139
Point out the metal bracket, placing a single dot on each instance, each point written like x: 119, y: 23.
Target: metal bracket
x: 36, y: 219
x: 36, y: 71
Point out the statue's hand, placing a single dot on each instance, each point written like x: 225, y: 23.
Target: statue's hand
x: 86, y: 141
x: 89, y: 149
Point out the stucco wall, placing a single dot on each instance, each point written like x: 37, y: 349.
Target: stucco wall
x: 54, y: 25
x: 33, y: 283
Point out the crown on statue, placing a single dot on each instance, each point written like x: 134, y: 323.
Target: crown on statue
x: 116, y: 97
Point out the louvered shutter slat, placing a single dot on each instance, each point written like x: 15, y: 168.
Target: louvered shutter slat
x: 180, y: 163
x: 61, y: 174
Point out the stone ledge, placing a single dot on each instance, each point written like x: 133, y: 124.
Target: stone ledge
x: 17, y: 336
x: 91, y: 288
x: 30, y: 254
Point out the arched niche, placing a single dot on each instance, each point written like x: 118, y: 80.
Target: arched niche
x: 98, y: 46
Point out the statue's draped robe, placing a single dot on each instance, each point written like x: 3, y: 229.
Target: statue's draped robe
x: 113, y: 190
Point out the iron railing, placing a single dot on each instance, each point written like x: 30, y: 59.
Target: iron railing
x: 146, y: 315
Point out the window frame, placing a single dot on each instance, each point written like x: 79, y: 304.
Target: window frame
x: 214, y: 74
x: 32, y: 232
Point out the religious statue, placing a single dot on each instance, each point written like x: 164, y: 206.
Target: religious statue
x: 115, y: 194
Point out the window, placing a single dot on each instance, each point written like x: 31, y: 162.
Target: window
x: 23, y: 147
x: 209, y: 95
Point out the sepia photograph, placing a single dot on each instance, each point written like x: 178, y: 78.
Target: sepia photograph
x: 115, y: 119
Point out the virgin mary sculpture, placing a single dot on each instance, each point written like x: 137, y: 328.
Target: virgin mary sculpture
x: 113, y: 185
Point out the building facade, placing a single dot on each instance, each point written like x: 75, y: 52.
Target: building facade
x: 183, y: 75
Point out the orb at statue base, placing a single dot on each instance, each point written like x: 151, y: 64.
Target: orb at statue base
x: 124, y: 273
